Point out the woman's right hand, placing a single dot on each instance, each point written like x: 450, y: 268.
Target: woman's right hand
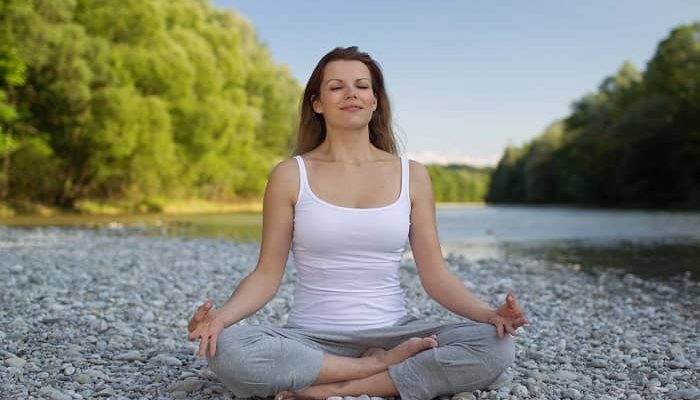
x: 206, y: 326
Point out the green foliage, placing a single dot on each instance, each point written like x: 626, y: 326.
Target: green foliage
x: 137, y: 100
x: 459, y: 183
x: 34, y: 165
x: 634, y: 142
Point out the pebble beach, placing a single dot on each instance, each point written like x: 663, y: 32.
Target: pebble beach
x: 103, y: 314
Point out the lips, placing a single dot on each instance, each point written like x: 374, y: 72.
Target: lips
x: 351, y: 108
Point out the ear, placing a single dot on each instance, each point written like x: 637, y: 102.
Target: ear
x: 316, y: 105
x: 374, y: 103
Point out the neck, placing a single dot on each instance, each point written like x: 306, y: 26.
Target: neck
x: 348, y: 145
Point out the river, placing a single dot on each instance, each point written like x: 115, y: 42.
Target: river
x: 657, y: 244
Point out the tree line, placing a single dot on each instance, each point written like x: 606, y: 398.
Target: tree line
x: 459, y: 183
x: 177, y: 99
x: 635, y: 142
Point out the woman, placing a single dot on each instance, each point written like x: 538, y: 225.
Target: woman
x: 346, y: 204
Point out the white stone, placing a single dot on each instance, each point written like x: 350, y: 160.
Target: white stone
x: 15, y: 362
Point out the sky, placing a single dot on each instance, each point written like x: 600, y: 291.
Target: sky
x: 466, y: 79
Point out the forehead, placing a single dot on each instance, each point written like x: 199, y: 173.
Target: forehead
x: 347, y: 70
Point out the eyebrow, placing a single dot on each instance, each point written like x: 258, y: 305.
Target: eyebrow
x: 339, y: 80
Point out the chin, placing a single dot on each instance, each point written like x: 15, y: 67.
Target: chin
x: 352, y: 124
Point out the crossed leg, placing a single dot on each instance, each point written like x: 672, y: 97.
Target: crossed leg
x: 252, y: 361
x: 378, y: 384
x: 372, y: 361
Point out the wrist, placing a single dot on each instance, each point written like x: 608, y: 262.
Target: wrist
x: 487, y: 314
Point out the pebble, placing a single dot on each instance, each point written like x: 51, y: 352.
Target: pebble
x: 573, y: 394
x: 83, y: 378
x: 686, y: 394
x: 133, y: 355
x: 566, y: 375
x: 599, y: 363
x: 54, y: 394
x: 16, y: 269
x: 103, y: 314
x: 520, y: 390
x: 188, y: 385
x: 171, y: 361
x: 15, y: 362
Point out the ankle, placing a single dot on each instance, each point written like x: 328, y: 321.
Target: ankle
x: 378, y: 362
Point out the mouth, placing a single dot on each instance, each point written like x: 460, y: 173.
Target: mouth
x: 351, y: 108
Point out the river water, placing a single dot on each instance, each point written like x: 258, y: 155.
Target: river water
x: 647, y: 243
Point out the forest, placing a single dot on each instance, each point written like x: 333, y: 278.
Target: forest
x: 137, y: 99
x: 634, y: 142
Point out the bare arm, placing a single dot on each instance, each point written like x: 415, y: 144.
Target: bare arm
x: 261, y: 285
x: 440, y: 284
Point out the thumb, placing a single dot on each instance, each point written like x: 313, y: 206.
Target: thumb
x: 510, y: 299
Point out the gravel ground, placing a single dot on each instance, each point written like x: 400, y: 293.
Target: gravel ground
x: 103, y: 314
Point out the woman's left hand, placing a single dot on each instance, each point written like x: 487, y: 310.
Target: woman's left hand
x: 508, y: 317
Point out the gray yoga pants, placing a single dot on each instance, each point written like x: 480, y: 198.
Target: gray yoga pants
x: 260, y: 361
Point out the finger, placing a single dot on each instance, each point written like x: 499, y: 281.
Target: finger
x: 212, y: 345
x: 194, y: 334
x: 512, y: 304
x: 509, y: 329
x: 499, y: 329
x: 203, y: 346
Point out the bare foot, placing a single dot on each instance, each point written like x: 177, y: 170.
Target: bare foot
x: 312, y: 393
x: 284, y: 395
x: 403, y: 351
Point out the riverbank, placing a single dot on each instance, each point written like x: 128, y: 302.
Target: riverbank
x: 144, y: 206
x: 104, y: 313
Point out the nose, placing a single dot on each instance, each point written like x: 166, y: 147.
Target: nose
x: 350, y: 93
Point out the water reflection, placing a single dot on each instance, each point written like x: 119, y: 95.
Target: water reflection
x: 644, y: 258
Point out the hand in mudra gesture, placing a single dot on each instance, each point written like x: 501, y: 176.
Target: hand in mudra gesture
x: 206, y: 326
x: 508, y: 317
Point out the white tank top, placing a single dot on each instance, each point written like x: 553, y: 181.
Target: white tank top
x: 347, y: 260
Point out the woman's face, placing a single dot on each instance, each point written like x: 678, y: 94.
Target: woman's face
x: 347, y: 97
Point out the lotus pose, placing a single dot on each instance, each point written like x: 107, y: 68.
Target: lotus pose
x: 347, y: 204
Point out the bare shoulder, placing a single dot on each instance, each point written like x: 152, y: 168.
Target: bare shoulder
x: 420, y: 183
x: 284, y: 180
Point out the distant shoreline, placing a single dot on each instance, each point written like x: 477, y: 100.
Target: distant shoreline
x: 197, y: 207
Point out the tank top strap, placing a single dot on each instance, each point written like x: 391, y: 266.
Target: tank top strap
x: 405, y: 178
x: 302, y: 176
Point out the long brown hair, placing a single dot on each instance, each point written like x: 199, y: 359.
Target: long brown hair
x: 312, y: 126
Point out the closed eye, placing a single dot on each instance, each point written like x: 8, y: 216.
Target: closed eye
x: 360, y: 87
